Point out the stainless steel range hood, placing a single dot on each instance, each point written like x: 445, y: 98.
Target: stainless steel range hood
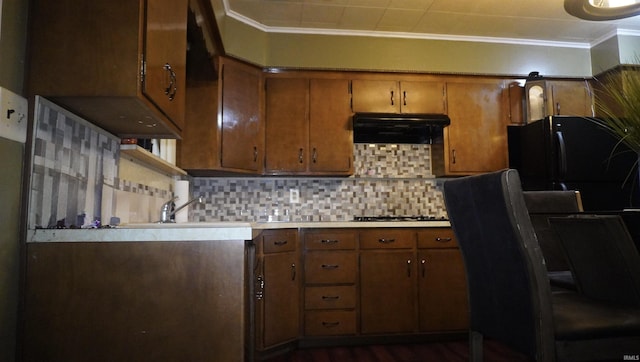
x: 399, y: 128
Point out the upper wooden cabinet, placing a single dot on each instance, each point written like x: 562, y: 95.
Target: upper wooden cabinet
x: 391, y: 96
x: 224, y: 131
x: 558, y: 97
x: 308, y: 126
x: 476, y: 139
x: 239, y: 104
x: 118, y: 63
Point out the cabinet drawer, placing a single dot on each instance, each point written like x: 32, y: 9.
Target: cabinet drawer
x: 387, y: 238
x: 329, y: 323
x: 330, y: 241
x: 276, y: 241
x: 330, y: 267
x: 332, y: 297
x: 437, y: 238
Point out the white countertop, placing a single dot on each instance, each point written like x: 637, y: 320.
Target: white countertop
x: 202, y: 231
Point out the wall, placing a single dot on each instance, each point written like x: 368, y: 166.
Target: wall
x: 13, y: 19
x: 398, y: 54
x: 79, y: 176
x: 13, y: 34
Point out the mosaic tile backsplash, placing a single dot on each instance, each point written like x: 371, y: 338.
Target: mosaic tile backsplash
x: 75, y: 169
x: 75, y: 181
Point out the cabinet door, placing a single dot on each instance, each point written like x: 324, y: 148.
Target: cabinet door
x: 422, y: 97
x: 281, y: 298
x: 442, y: 290
x: 287, y: 125
x: 164, y: 57
x: 330, y: 133
x: 241, y: 136
x: 375, y: 96
x: 387, y: 291
x: 571, y: 98
x: 476, y: 140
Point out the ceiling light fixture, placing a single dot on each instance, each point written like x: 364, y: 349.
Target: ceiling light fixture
x: 602, y: 9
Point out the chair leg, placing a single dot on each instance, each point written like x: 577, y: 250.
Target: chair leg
x: 475, y: 346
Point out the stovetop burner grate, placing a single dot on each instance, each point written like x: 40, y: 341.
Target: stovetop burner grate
x: 398, y: 218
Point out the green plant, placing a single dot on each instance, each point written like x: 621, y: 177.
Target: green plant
x: 617, y: 98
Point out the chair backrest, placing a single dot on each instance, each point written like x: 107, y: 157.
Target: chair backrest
x: 541, y: 206
x: 602, y: 256
x: 553, y: 201
x: 509, y: 293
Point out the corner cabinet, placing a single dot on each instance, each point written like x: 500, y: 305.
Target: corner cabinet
x: 224, y: 130
x: 119, y: 64
x: 308, y: 126
x: 277, y: 288
x: 391, y: 96
x: 476, y: 139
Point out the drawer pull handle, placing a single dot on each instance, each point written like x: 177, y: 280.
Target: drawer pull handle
x: 443, y: 240
x: 329, y: 241
x: 280, y: 243
x: 386, y: 241
x: 330, y: 266
x: 330, y: 297
x: 330, y: 324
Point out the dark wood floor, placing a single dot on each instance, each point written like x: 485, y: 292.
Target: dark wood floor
x: 456, y: 351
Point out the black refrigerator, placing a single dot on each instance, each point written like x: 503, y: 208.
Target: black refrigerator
x: 575, y: 153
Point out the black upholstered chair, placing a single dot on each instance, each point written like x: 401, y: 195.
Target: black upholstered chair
x: 602, y: 256
x: 545, y: 204
x: 510, y: 298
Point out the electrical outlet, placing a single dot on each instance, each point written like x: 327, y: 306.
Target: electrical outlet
x: 294, y: 196
x: 13, y: 116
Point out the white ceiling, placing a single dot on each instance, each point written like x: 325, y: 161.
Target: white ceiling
x: 525, y: 21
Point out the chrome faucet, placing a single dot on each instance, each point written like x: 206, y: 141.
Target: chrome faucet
x: 168, y: 210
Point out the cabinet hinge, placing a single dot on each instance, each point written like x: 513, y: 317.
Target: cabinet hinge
x: 143, y: 70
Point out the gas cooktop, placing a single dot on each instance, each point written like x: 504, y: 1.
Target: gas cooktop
x: 399, y: 218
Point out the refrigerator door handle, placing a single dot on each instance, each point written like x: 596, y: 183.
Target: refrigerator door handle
x: 562, y: 156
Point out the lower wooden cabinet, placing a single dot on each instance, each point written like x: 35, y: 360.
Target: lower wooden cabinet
x: 442, y: 283
x: 358, y: 283
x: 277, y: 288
x: 387, y: 281
x: 330, y: 279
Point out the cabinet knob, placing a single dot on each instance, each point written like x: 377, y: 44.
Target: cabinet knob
x: 329, y: 241
x: 330, y: 324
x: 330, y: 297
x: 293, y: 271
